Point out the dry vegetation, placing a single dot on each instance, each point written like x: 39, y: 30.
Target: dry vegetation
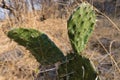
x: 16, y: 63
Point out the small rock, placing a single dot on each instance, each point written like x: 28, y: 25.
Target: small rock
x: 12, y: 55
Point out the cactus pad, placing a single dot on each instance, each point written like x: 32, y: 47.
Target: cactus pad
x: 41, y: 47
x: 80, y: 26
x: 77, y: 68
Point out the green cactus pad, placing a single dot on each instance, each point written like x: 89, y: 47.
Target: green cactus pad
x: 80, y: 26
x: 77, y: 68
x: 41, y: 47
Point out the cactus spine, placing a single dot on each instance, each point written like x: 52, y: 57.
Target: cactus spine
x: 80, y: 26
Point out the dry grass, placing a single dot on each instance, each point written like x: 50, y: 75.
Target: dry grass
x: 106, y: 59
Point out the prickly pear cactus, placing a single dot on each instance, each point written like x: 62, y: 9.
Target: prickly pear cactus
x: 41, y: 47
x: 80, y: 26
x: 75, y: 67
